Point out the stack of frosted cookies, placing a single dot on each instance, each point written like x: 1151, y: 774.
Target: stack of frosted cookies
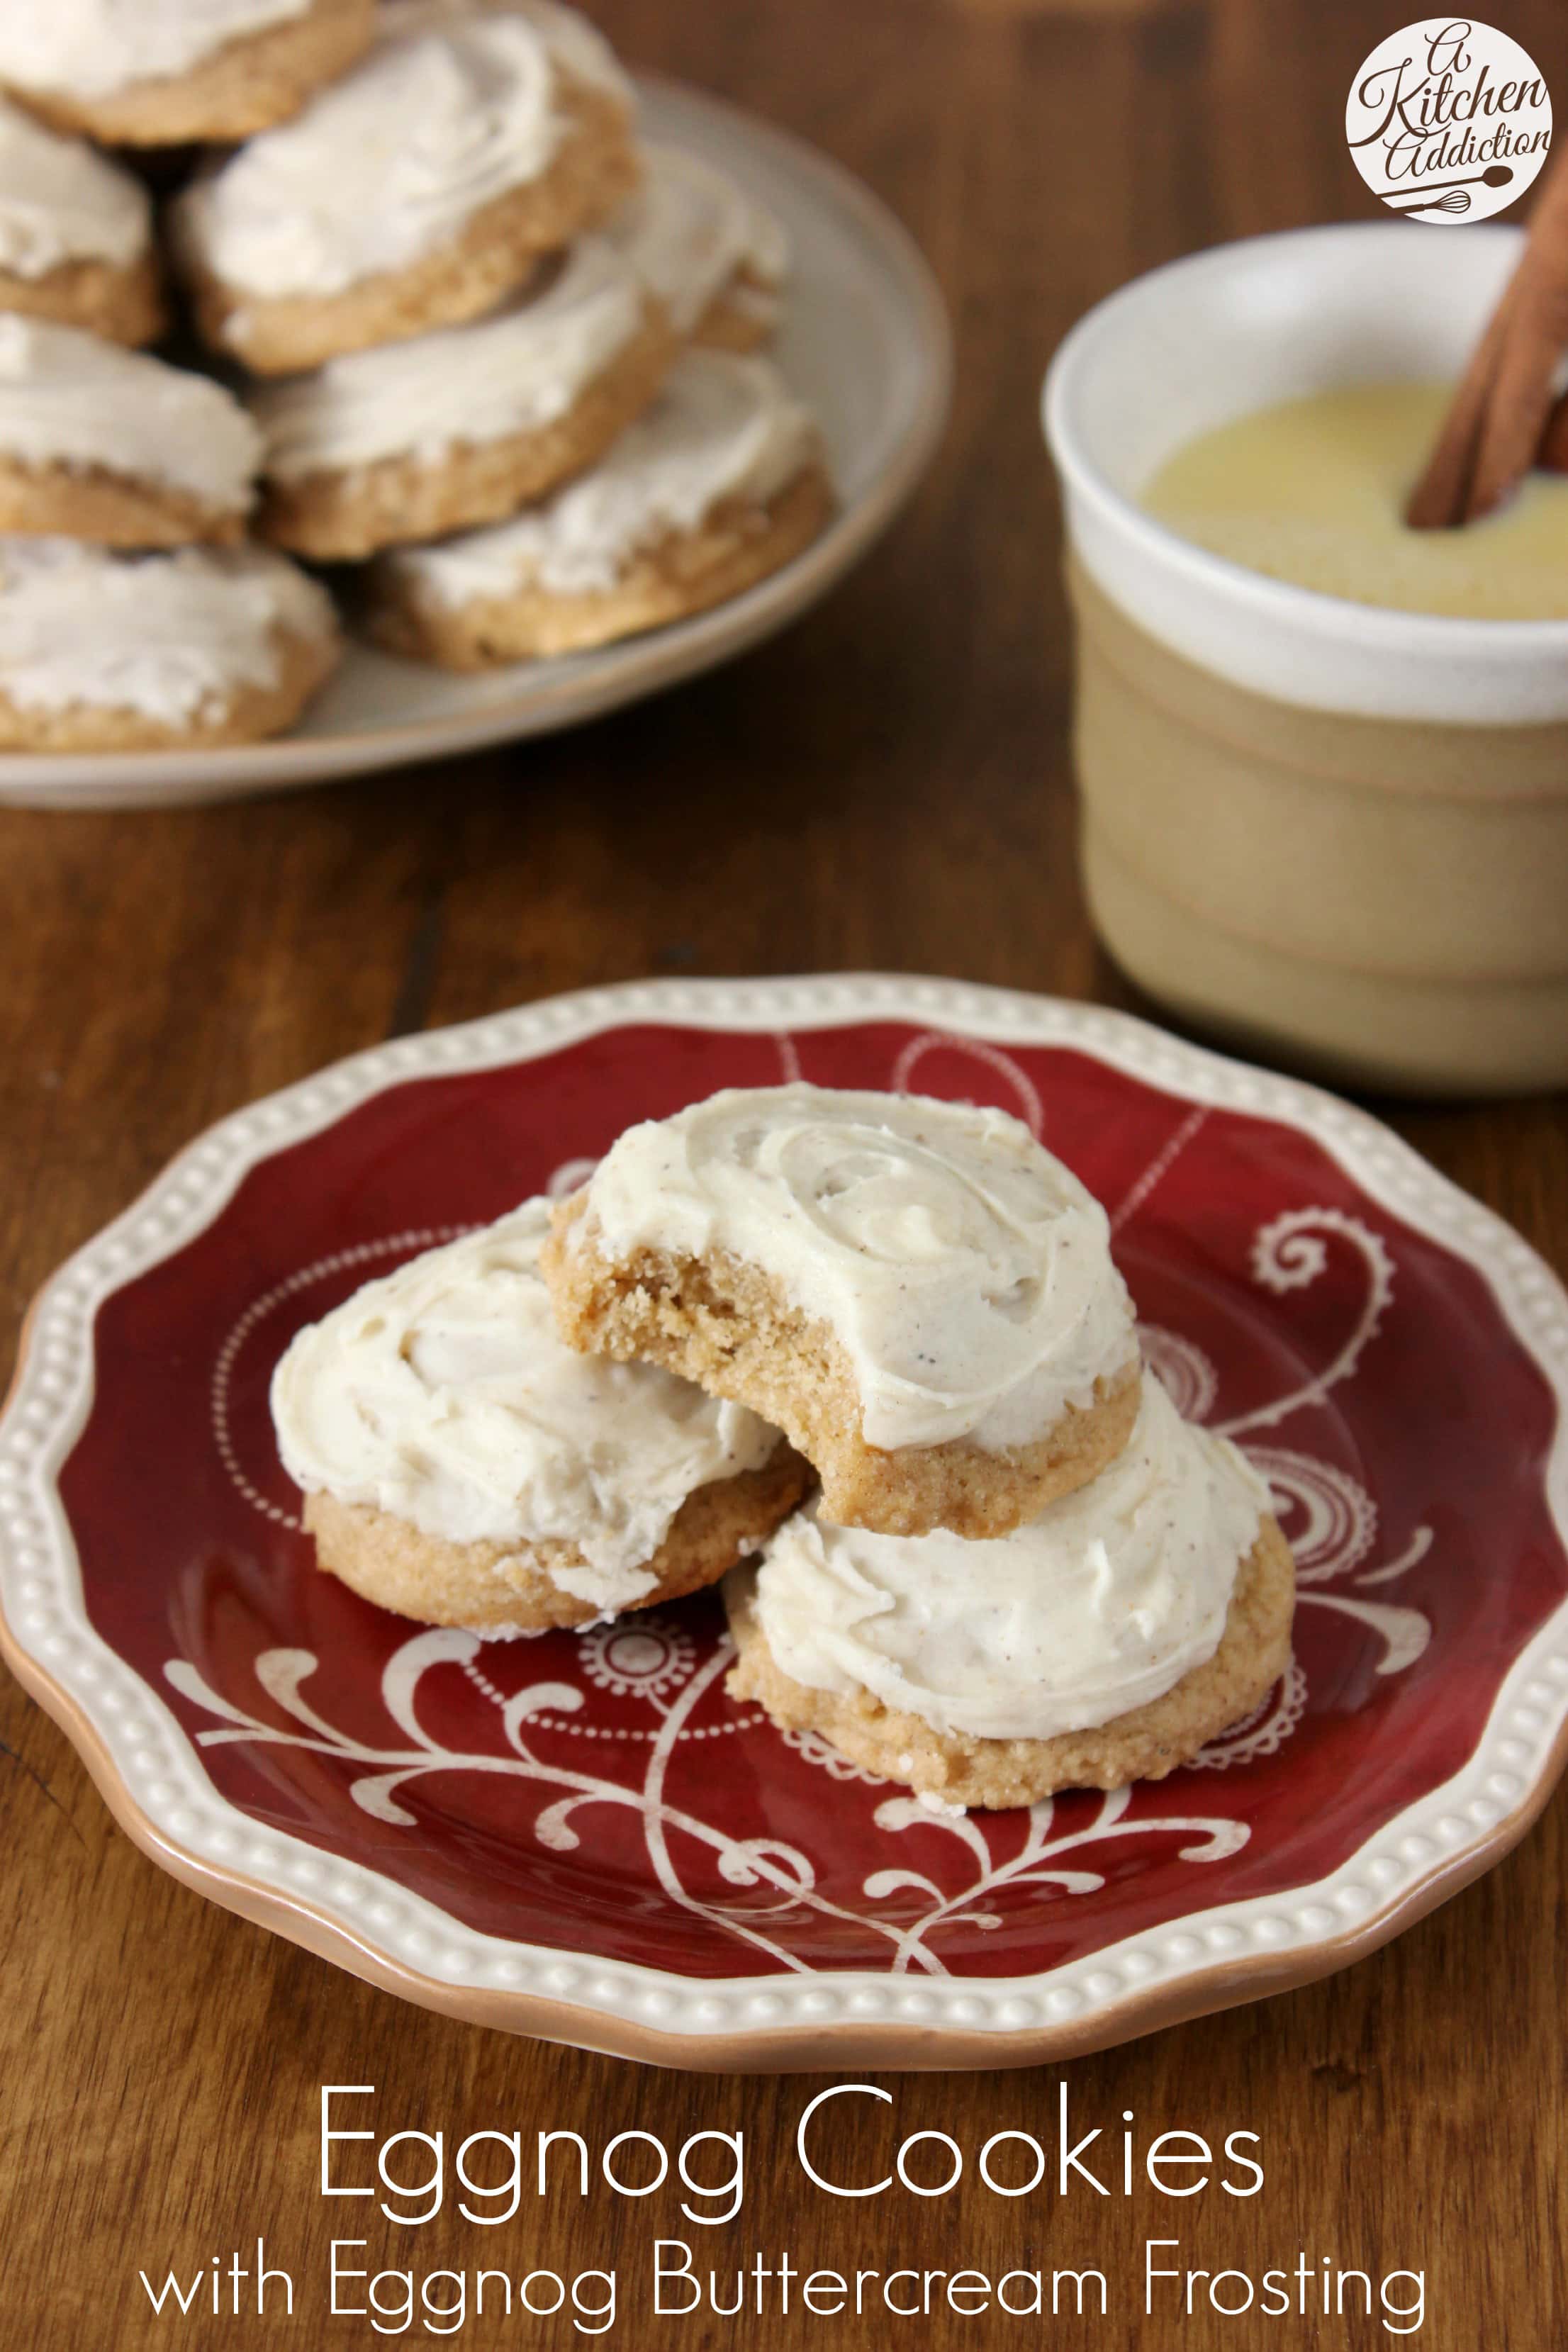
x: 502, y: 353
x: 866, y: 1357
x: 491, y: 350
x: 1023, y: 1570
x: 134, y: 614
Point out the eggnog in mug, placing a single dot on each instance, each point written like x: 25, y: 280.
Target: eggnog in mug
x: 1313, y: 491
x: 1323, y: 759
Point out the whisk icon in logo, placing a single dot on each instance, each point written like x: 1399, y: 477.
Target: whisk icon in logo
x: 1449, y: 121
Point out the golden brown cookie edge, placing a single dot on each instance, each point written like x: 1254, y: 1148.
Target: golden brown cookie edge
x: 1145, y: 1744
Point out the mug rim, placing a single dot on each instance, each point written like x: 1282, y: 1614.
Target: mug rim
x: 1441, y: 636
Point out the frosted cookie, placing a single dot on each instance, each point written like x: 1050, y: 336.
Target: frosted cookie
x: 110, y: 445
x: 916, y: 1291
x: 416, y: 192
x: 719, y: 483
x: 76, y: 234
x: 714, y: 255
x: 109, y: 652
x: 460, y: 1466
x: 146, y: 73
x: 1106, y: 1641
x: 461, y: 428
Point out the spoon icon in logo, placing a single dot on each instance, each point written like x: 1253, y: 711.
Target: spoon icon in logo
x: 1452, y: 198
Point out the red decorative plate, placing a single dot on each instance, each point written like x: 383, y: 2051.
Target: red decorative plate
x: 582, y: 1837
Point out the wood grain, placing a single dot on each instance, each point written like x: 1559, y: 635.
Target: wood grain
x: 886, y: 785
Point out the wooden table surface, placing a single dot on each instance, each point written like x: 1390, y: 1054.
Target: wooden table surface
x: 888, y: 785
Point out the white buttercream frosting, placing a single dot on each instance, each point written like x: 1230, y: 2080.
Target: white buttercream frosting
x: 514, y: 370
x: 61, y: 201
x: 689, y: 228
x: 171, y: 636
x: 91, y: 48
x: 965, y: 1272
x: 455, y: 106
x: 721, y: 428
x: 68, y: 398
x: 1097, y: 1607
x: 442, y: 1394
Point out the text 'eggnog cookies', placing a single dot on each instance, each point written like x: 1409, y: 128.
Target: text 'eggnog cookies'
x: 100, y: 443
x: 916, y: 1291
x: 103, y: 651
x: 718, y: 484
x: 1106, y: 1641
x: 714, y: 255
x: 461, y: 428
x: 76, y: 234
x: 417, y: 190
x: 461, y: 1466
x: 146, y: 73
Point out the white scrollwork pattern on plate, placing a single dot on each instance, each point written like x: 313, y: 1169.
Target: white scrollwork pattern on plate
x: 1263, y: 1732
x: 760, y: 1865
x: 652, y: 1659
x: 1182, y: 1369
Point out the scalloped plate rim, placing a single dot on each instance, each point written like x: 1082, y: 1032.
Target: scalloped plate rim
x: 814, y: 2020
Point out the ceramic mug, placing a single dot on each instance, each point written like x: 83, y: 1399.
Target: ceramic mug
x: 1330, y: 832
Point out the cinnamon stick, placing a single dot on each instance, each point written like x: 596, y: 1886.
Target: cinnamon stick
x: 1506, y: 417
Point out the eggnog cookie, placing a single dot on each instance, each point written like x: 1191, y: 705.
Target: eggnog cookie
x: 76, y: 234
x: 462, y: 1466
x: 1108, y: 1641
x: 416, y: 192
x: 714, y: 255
x: 104, y: 444
x: 462, y: 427
x: 142, y: 73
x: 744, y: 315
x: 716, y: 484
x: 109, y: 652
x: 916, y: 1291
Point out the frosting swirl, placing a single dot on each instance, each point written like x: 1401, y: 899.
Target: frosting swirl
x: 441, y: 1393
x: 517, y: 369
x: 965, y: 1272
x: 456, y: 104
x: 1097, y: 1607
x: 721, y: 428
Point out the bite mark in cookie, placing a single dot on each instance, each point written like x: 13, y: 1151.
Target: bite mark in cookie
x: 918, y: 1293
x: 462, y: 1465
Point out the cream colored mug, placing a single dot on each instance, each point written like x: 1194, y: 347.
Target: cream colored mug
x: 1334, y: 833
